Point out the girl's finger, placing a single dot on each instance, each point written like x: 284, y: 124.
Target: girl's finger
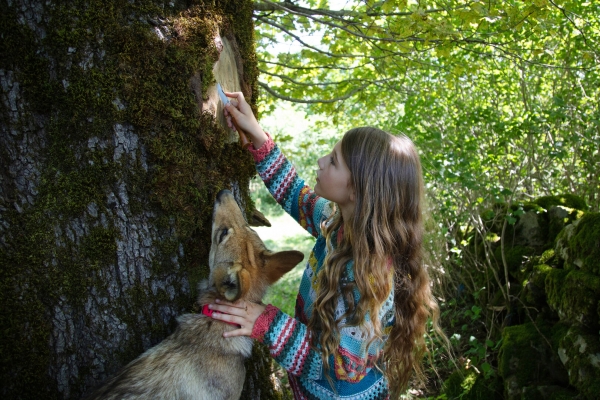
x: 230, y: 308
x: 226, y: 317
x: 237, y: 332
x: 234, y: 95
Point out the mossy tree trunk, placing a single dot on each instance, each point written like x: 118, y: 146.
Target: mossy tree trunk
x: 108, y: 172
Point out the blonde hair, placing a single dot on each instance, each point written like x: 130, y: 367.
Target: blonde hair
x: 385, y: 232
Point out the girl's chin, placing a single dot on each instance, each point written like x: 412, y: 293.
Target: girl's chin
x: 317, y: 190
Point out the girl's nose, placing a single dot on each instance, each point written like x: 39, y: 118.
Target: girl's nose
x: 319, y: 162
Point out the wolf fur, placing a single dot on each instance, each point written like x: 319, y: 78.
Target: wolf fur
x: 196, y: 361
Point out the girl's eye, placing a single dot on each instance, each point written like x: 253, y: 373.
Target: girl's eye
x: 223, y: 234
x: 331, y: 161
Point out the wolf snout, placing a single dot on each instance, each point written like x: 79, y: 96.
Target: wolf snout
x: 222, y: 194
x: 229, y: 284
x: 227, y: 281
x: 229, y: 289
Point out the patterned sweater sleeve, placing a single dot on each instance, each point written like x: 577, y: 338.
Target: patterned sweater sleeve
x: 289, y: 340
x: 288, y: 189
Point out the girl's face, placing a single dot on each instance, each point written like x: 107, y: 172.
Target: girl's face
x: 333, y: 178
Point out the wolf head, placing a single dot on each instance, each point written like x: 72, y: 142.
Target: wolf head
x: 240, y: 264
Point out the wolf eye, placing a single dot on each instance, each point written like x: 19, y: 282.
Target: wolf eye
x: 224, y: 233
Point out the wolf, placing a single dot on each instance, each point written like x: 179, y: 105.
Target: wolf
x: 196, y: 361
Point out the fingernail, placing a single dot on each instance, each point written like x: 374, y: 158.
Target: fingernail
x: 217, y: 301
x: 210, y: 306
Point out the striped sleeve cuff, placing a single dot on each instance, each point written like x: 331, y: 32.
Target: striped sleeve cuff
x: 260, y: 153
x: 263, y: 322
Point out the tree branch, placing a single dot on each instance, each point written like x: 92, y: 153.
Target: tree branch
x: 265, y: 5
x: 564, y: 12
x: 303, y: 43
x: 345, y: 81
x: 312, y: 101
x: 326, y: 66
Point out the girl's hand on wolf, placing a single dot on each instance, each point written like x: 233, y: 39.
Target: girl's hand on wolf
x: 239, y: 110
x: 242, y: 313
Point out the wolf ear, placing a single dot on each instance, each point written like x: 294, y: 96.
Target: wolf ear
x: 277, y: 264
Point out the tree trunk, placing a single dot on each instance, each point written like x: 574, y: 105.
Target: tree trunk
x: 108, y: 173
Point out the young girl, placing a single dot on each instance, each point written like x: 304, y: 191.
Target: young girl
x: 365, y: 295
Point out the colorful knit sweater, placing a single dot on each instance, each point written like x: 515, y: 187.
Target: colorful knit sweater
x: 353, y: 370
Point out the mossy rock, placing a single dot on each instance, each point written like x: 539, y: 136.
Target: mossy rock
x: 574, y: 295
x: 516, y: 257
x: 526, y: 358
x: 565, y: 200
x: 535, y: 285
x: 531, y: 230
x: 548, y: 257
x: 469, y: 385
x: 524, y: 225
x: 549, y: 392
x: 558, y: 217
x: 579, y: 351
x: 560, y: 393
x: 561, y: 245
x: 579, y: 244
x: 560, y: 211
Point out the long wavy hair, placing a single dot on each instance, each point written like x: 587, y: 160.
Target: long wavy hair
x: 384, y: 235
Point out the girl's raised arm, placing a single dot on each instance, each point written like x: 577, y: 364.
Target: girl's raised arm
x: 278, y: 174
x: 288, y: 189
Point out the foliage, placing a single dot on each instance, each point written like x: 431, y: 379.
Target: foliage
x: 514, y: 82
x: 501, y: 97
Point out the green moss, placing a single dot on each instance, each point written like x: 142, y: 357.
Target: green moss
x: 553, y: 282
x: 564, y: 394
x: 525, y: 356
x: 584, y: 245
x: 531, y: 393
x: 557, y: 224
x: 259, y: 366
x: 539, y: 274
x: 515, y: 256
x: 76, y: 94
x: 559, y: 331
x: 459, y: 383
x: 575, y: 295
x: 566, y: 200
x: 535, y: 286
x: 580, y: 352
x: 517, y: 356
x: 550, y: 392
x: 468, y: 385
x: 547, y: 256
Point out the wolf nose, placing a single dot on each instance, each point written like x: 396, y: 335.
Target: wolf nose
x: 222, y: 193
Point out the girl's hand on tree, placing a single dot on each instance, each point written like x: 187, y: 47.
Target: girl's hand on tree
x: 242, y: 313
x: 239, y: 110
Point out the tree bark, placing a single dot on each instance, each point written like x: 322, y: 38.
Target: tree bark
x: 108, y: 172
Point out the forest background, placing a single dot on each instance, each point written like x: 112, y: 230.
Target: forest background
x: 500, y: 97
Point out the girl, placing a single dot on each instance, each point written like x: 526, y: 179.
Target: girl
x: 365, y: 295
